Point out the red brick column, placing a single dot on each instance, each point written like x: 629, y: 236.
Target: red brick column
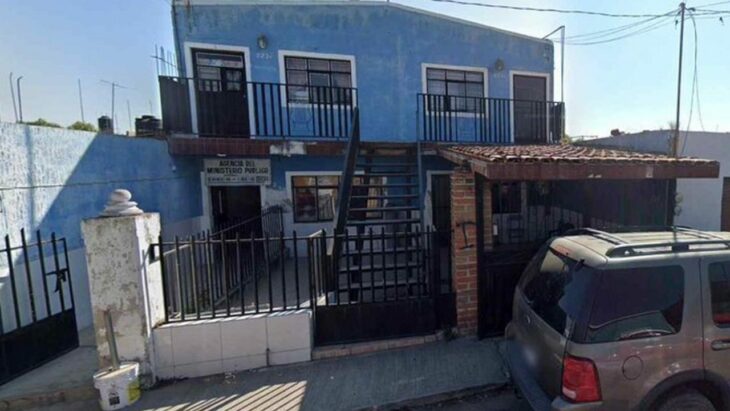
x: 464, y: 250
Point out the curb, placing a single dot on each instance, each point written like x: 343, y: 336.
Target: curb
x: 43, y: 399
x: 437, y: 398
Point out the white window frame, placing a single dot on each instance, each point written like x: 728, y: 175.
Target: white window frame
x: 483, y: 70
x: 295, y: 53
x: 548, y: 95
x: 190, y: 73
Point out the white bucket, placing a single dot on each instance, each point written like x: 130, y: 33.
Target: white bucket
x: 120, y: 388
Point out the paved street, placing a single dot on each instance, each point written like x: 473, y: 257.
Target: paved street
x: 502, y: 401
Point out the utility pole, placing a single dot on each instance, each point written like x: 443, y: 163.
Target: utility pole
x: 20, y: 99
x: 81, y: 103
x: 675, y: 139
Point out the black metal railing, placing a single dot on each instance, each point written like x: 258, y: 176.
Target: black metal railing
x: 37, y: 316
x: 217, y: 277
x: 489, y: 120
x: 244, y: 109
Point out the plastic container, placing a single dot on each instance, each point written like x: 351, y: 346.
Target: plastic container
x: 118, y: 388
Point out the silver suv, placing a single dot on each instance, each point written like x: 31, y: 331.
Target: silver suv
x: 624, y: 321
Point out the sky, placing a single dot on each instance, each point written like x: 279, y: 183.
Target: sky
x: 630, y: 84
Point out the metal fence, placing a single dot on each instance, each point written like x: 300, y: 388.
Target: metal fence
x: 37, y: 316
x: 231, y: 276
x: 241, y: 109
x: 489, y: 120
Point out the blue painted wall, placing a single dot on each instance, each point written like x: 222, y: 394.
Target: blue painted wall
x: 51, y: 179
x: 389, y: 42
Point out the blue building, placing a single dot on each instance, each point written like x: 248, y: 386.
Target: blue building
x: 254, y: 74
x: 348, y: 116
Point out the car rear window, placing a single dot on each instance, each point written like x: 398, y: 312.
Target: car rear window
x: 555, y: 287
x: 720, y: 292
x: 637, y: 303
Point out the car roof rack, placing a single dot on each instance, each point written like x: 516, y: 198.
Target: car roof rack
x: 603, y: 235
x: 667, y: 247
x: 623, y: 248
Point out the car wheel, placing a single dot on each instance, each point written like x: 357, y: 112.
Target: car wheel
x: 687, y: 400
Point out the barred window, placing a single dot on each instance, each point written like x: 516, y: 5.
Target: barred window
x: 463, y: 89
x: 318, y: 80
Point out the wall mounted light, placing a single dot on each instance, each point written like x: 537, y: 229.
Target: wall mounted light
x: 262, y: 41
x: 499, y: 65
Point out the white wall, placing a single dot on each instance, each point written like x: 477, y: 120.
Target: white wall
x: 215, y: 346
x: 700, y: 206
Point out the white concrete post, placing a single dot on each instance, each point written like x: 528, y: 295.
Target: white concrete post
x: 123, y: 280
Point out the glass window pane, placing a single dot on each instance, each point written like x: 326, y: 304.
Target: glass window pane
x: 209, y: 73
x: 556, y: 287
x: 720, y: 292
x: 304, y: 181
x: 341, y: 80
x: 342, y: 66
x: 305, y: 204
x: 319, y: 64
x: 296, y: 77
x: 455, y: 89
x: 435, y: 74
x: 474, y: 90
x: 328, y: 181
x: 652, y: 300
x: 298, y: 94
x: 296, y: 63
x: 436, y: 87
x: 455, y: 75
x: 319, y: 79
x: 327, y: 200
x: 474, y: 76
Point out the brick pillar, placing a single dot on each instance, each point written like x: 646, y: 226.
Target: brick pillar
x: 487, y: 216
x: 464, y: 250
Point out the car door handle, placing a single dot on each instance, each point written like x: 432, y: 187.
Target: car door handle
x: 719, y: 345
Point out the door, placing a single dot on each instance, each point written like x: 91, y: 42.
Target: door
x: 221, y: 93
x: 530, y: 109
x: 716, y: 308
x: 441, y: 212
x: 233, y: 206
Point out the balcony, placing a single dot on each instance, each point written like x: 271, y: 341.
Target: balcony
x: 230, y: 109
x: 489, y: 120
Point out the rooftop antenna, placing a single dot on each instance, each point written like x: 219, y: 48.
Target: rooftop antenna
x: 20, y: 99
x: 129, y: 117
x: 114, y: 87
x: 12, y: 94
x: 81, y: 103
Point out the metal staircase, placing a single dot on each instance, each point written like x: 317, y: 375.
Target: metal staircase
x: 382, y: 256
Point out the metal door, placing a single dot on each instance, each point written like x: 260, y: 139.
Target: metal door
x: 37, y: 315
x: 221, y: 94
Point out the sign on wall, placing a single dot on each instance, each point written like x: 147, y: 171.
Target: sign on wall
x: 237, y: 171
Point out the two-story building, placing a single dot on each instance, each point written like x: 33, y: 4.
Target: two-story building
x: 362, y: 116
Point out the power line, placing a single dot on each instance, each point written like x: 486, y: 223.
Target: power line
x: 548, y: 10
x: 638, y: 29
x: 693, y: 92
x: 593, y: 35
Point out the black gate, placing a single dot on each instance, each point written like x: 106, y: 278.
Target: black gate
x: 37, y: 316
x: 524, y: 214
x: 373, y: 293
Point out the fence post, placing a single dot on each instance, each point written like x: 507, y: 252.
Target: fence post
x: 124, y: 280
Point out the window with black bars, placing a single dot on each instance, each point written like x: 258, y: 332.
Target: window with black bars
x: 318, y: 80
x: 463, y: 90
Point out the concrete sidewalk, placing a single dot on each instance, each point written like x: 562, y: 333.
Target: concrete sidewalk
x: 382, y: 380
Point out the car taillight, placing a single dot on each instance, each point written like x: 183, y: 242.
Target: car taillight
x: 580, y: 380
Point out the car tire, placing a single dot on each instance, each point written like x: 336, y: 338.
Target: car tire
x: 686, y: 400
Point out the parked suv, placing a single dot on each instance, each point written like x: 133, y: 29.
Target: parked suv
x: 624, y: 321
